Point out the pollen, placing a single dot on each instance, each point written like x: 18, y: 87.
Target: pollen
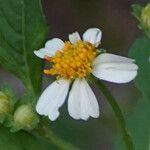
x: 73, y: 61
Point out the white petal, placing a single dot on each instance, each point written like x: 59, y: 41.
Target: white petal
x: 89, y: 99
x: 82, y: 102
x: 41, y: 52
x: 54, y: 45
x: 53, y: 98
x: 118, y: 66
x: 51, y: 47
x: 93, y: 35
x: 74, y: 37
x: 74, y: 100
x: 107, y: 57
x: 116, y: 72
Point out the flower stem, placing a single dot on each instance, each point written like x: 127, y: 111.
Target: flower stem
x: 44, y: 132
x: 119, y: 115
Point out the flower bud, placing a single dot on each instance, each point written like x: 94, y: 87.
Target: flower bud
x: 5, y: 105
x: 25, y: 118
x: 145, y: 17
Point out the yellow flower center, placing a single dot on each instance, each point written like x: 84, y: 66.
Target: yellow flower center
x: 74, y: 61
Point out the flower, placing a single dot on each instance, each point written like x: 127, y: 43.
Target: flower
x: 73, y: 61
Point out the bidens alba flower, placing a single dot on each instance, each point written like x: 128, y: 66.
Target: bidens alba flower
x: 75, y: 60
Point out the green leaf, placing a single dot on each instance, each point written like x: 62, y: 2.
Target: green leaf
x: 139, y: 126
x: 18, y: 141
x: 23, y: 30
x: 140, y: 51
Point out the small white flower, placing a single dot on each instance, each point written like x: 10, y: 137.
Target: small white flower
x: 72, y: 62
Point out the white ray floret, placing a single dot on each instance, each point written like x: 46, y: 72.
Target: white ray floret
x: 82, y: 102
x: 51, y: 47
x: 74, y: 37
x: 53, y: 98
x: 93, y: 35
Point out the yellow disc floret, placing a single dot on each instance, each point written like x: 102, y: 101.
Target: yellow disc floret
x: 73, y: 61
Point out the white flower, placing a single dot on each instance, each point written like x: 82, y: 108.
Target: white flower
x: 72, y: 62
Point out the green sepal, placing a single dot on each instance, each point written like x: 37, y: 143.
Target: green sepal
x: 137, y: 11
x: 7, y: 102
x: 25, y: 118
x: 142, y: 17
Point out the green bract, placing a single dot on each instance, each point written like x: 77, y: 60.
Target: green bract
x: 25, y: 117
x: 143, y: 15
x: 5, y: 106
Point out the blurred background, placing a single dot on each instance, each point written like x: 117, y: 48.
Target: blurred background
x: 120, y: 29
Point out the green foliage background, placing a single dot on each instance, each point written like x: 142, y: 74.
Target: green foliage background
x: 23, y: 30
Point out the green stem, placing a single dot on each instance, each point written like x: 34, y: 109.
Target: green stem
x: 119, y: 115
x: 47, y: 134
